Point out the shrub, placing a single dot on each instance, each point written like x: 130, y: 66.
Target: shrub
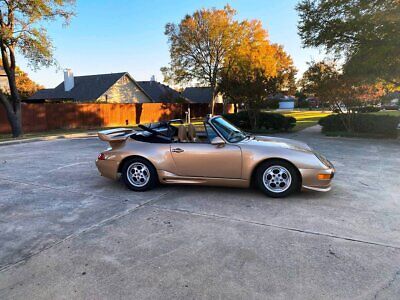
x: 368, y: 109
x: 271, y: 104
x: 379, y: 125
x: 290, y: 122
x: 266, y: 121
x: 391, y: 107
x: 303, y: 104
x: 332, y: 123
x: 240, y: 119
x: 276, y: 121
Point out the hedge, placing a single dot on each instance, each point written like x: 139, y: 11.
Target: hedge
x: 361, y: 109
x: 383, y: 125
x: 265, y: 120
x: 391, y: 107
x: 368, y: 109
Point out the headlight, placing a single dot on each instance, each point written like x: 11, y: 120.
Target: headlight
x: 326, y: 162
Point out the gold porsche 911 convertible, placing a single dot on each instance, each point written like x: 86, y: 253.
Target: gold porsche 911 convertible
x: 216, y: 153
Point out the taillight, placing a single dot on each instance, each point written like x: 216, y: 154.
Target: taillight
x: 101, y: 156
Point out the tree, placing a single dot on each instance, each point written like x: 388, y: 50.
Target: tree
x: 243, y: 78
x: 26, y: 87
x: 346, y: 96
x: 343, y: 93
x: 20, y: 29
x: 316, y: 74
x: 199, y: 46
x: 255, y: 70
x: 285, y: 80
x: 365, y: 32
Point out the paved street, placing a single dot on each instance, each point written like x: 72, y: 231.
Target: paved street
x: 66, y: 232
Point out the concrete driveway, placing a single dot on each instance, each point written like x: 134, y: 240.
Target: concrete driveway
x: 66, y: 232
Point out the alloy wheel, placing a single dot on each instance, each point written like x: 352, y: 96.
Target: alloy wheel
x: 277, y: 179
x: 138, y: 174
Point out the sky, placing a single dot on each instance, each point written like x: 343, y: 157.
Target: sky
x: 108, y: 36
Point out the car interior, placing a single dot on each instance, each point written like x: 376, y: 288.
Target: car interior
x: 165, y: 132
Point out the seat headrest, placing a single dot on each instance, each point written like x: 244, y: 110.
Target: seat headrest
x: 192, y: 133
x: 182, y: 133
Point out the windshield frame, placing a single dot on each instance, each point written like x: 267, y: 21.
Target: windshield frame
x: 241, y: 138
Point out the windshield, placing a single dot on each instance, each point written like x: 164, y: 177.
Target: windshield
x: 228, y: 131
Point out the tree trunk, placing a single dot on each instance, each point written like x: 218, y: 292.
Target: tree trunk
x: 253, y: 117
x: 212, y: 106
x: 351, y: 120
x: 13, y: 115
x: 214, y: 96
x: 16, y: 126
x: 12, y: 106
x: 225, y: 103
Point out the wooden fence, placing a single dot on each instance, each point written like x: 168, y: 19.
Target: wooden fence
x: 50, y: 116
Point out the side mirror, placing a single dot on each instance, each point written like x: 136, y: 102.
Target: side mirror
x: 217, y: 141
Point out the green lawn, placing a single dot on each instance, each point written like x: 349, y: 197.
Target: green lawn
x: 306, y: 119
x: 395, y: 113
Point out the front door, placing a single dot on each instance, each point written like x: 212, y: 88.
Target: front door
x: 206, y: 160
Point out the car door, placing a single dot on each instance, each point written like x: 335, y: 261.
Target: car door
x: 206, y: 160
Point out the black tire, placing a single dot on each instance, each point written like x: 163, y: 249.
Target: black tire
x: 286, y: 189
x: 149, y: 174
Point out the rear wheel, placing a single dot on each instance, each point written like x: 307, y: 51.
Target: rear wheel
x: 139, y: 175
x: 277, y: 178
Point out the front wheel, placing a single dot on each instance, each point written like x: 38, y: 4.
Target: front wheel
x: 277, y: 178
x: 139, y: 175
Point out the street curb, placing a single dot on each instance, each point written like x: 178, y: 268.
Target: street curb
x: 50, y: 138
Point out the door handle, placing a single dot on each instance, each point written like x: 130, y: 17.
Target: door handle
x: 177, y: 150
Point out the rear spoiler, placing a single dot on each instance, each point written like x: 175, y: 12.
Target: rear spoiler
x: 115, y: 135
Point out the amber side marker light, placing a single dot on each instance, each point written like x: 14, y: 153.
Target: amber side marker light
x: 324, y: 176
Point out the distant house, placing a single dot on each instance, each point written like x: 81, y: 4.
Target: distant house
x: 101, y: 88
x: 313, y: 102
x: 285, y: 102
x: 393, y: 98
x: 159, y: 92
x: 200, y: 95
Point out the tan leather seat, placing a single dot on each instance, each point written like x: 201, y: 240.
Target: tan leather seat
x: 182, y: 134
x: 192, y: 133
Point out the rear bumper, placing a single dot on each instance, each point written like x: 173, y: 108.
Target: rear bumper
x: 108, y: 168
x: 310, y: 179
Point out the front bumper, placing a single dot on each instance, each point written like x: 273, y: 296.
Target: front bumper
x: 310, y: 179
x: 317, y: 189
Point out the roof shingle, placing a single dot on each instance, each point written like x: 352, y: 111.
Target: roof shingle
x: 159, y: 92
x: 198, y: 94
x: 86, y: 88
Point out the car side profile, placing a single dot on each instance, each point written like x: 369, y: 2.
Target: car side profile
x: 214, y: 153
